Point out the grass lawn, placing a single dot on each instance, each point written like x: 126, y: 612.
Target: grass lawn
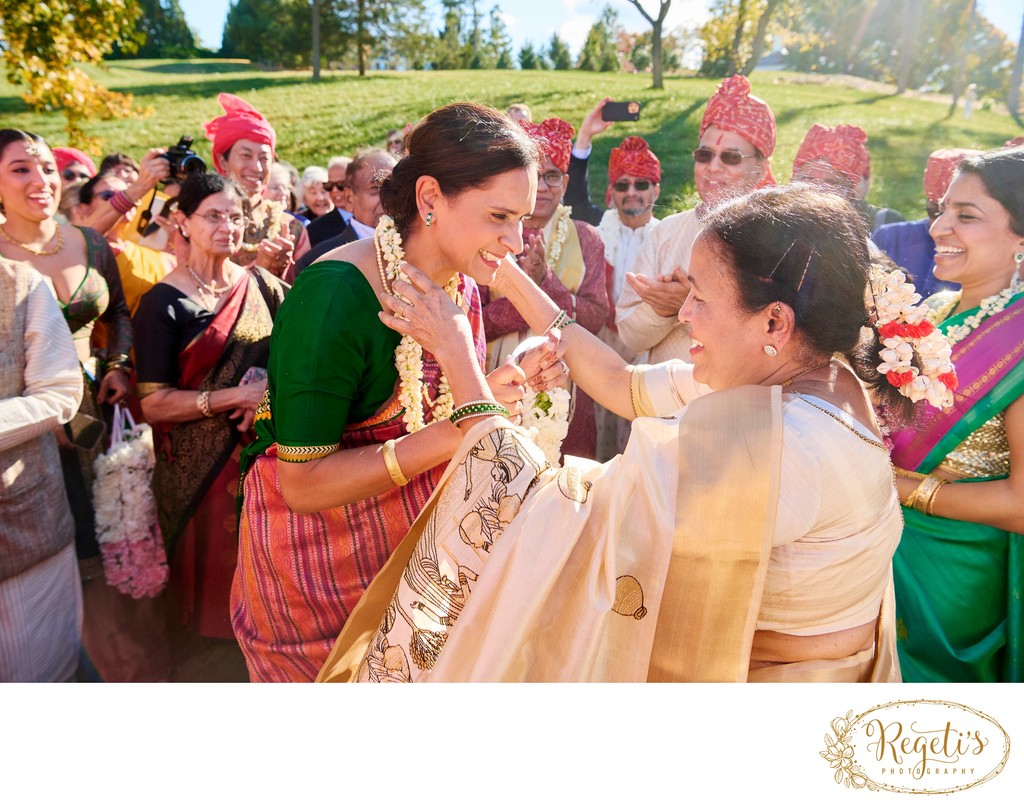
x: 344, y: 111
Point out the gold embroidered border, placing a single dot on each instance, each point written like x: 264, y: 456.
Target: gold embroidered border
x: 263, y: 408
x: 303, y: 454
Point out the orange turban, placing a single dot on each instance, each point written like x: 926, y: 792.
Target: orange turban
x: 843, y: 148
x: 633, y: 156
x: 939, y: 171
x: 554, y: 136
x: 240, y: 120
x: 734, y: 109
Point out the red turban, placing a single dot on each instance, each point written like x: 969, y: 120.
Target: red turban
x: 633, y: 156
x: 240, y: 120
x: 939, y: 171
x: 66, y: 155
x: 735, y: 110
x: 554, y: 136
x: 843, y: 148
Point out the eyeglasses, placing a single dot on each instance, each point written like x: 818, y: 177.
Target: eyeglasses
x: 71, y: 175
x: 552, y: 179
x: 215, y: 219
x: 106, y: 196
x: 330, y: 186
x: 623, y: 185
x: 729, y: 157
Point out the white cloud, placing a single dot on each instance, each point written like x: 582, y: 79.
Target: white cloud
x: 508, y: 19
x: 574, y: 31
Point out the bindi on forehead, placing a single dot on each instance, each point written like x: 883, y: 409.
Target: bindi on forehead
x: 721, y: 137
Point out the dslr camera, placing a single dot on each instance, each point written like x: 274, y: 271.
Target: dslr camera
x: 183, y: 160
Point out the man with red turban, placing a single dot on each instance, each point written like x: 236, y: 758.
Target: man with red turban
x: 837, y: 157
x: 243, y: 145
x: 910, y: 244
x: 565, y: 258
x: 733, y: 156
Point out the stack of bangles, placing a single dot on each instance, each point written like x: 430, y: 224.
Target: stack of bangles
x: 118, y: 362
x: 923, y: 497
x: 476, y: 409
x: 560, y: 322
x: 122, y: 203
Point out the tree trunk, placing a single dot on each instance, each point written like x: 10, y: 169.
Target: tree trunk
x: 734, y: 51
x: 316, y: 40
x: 908, y: 43
x: 759, y: 35
x: 961, y: 62
x: 656, y: 56
x: 360, y: 36
x: 1013, y: 99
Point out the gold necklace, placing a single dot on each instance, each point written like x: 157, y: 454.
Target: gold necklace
x: 205, y: 289
x: 795, y: 377
x: 31, y: 249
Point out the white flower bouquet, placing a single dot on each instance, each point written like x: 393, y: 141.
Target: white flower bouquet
x: 131, y: 545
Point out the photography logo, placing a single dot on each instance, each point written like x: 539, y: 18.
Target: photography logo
x: 920, y: 746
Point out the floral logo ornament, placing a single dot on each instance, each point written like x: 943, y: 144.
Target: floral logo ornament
x: 838, y: 753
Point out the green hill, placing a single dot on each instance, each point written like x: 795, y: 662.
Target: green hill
x: 344, y: 111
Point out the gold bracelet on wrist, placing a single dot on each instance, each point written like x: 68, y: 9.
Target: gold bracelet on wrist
x: 203, y: 403
x: 391, y: 462
x: 929, y: 507
x: 922, y: 495
x: 908, y: 473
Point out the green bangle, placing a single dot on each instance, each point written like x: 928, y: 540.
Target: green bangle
x: 479, y: 409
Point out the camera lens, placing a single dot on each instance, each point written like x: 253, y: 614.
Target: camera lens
x: 192, y: 164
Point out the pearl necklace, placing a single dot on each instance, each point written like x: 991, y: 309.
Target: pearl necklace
x: 207, y: 289
x: 273, y: 222
x: 553, y: 252
x: 992, y: 305
x: 412, y: 390
x: 29, y: 248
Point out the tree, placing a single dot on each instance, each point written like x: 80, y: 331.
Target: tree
x: 43, y: 43
x: 499, y: 42
x: 450, y: 53
x: 599, y: 52
x: 1013, y: 97
x: 164, y: 32
x: 655, y: 52
x: 558, y: 53
x: 528, y: 58
x: 730, y: 44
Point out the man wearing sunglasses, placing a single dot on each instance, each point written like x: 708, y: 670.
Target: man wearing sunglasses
x: 334, y: 222
x: 737, y: 139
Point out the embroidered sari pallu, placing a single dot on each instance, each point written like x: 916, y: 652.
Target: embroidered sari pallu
x: 959, y: 584
x: 197, y: 462
x: 649, y: 567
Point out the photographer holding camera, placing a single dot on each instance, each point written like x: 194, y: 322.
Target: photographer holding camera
x: 154, y: 168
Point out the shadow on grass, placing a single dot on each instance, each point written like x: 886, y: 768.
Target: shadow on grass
x: 793, y: 113
x: 205, y: 67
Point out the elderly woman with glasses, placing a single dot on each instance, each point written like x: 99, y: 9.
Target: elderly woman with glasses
x: 313, y: 193
x: 202, y: 343
x: 565, y: 258
x: 737, y: 139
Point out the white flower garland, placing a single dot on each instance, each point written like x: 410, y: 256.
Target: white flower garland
x: 546, y: 420
x: 992, y: 305
x: 553, y: 251
x: 905, y: 331
x: 610, y: 229
x: 412, y: 390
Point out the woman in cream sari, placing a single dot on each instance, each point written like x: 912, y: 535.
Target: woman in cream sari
x: 747, y: 531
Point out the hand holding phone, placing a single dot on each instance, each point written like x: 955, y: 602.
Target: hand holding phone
x: 621, y: 111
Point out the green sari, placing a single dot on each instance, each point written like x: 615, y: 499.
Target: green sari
x: 959, y: 584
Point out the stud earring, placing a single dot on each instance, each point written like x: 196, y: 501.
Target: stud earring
x: 1019, y: 257
x: 430, y: 218
x: 771, y: 351
x: 777, y: 311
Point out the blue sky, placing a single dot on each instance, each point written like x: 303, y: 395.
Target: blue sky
x: 534, y: 20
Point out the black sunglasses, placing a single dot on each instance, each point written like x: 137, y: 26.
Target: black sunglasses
x: 623, y: 185
x: 730, y: 157
x: 106, y: 196
x: 330, y: 186
x: 71, y: 175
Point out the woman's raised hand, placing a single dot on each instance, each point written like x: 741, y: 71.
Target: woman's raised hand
x: 421, y: 309
x: 274, y: 255
x: 544, y: 366
x: 506, y: 384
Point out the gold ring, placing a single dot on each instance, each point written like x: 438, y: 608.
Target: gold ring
x: 400, y: 311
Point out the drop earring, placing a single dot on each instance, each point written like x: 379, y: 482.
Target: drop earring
x: 771, y: 351
x: 430, y: 218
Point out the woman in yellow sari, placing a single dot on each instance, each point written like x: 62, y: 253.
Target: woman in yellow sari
x: 746, y: 533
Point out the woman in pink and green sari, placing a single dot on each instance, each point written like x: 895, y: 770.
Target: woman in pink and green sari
x: 959, y: 569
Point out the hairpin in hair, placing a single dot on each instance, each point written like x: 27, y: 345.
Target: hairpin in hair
x: 32, y: 148
x: 807, y: 266
x: 779, y: 262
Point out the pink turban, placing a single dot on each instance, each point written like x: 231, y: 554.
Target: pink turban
x: 66, y: 155
x: 939, y: 171
x: 735, y: 110
x: 843, y: 148
x: 633, y: 156
x: 241, y: 120
x: 554, y: 136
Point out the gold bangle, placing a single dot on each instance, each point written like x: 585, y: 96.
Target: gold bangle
x: 929, y: 507
x: 922, y: 494
x: 203, y: 403
x: 391, y: 462
x: 908, y: 473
